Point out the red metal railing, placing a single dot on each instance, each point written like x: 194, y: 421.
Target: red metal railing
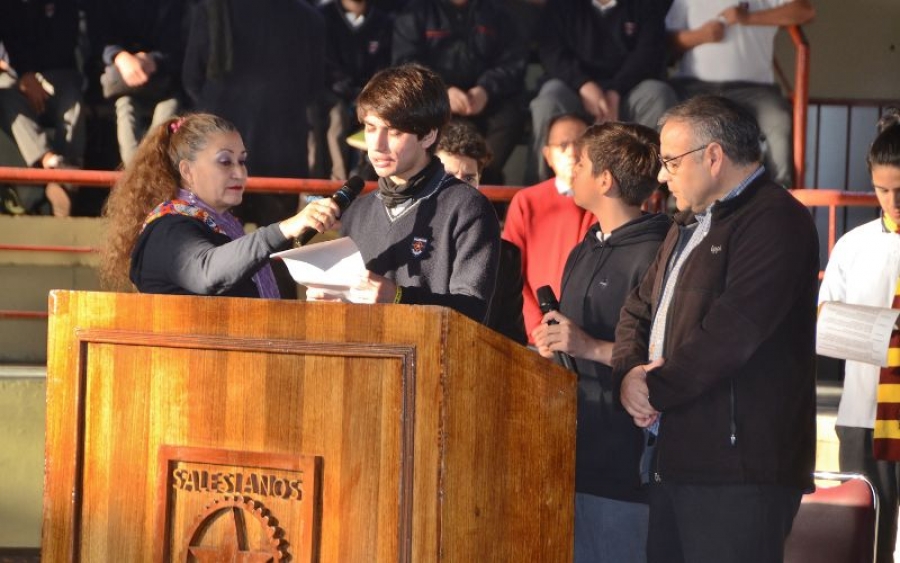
x: 831, y: 199
x: 798, y: 92
x: 800, y: 97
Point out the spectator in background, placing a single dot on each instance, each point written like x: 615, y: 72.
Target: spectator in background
x: 144, y: 41
x: 41, y: 92
x: 726, y: 49
x: 864, y: 269
x: 464, y: 154
x: 260, y: 65
x: 358, y: 44
x: 473, y: 46
x: 544, y: 222
x: 616, y: 172
x: 604, y: 57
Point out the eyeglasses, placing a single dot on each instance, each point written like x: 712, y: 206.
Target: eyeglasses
x: 669, y: 163
x: 563, y: 146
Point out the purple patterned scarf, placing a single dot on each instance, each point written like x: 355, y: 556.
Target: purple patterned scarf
x: 264, y: 278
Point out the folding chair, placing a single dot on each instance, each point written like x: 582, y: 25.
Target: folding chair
x: 835, y: 524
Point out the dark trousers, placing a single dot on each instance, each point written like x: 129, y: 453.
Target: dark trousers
x: 720, y: 523
x: 855, y: 456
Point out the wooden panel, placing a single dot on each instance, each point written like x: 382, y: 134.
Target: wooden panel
x: 509, y: 452
x: 242, y: 397
x: 436, y: 439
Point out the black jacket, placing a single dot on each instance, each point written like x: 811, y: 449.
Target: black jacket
x: 505, y: 309
x: 738, y: 388
x: 471, y: 46
x: 354, y: 54
x: 40, y: 35
x: 596, y: 281
x: 156, y: 27
x: 618, y: 49
x: 180, y: 255
x: 278, y: 68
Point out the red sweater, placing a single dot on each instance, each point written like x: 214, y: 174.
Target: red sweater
x: 545, y: 226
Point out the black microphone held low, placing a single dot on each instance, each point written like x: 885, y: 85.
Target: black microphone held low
x: 343, y: 197
x: 547, y: 302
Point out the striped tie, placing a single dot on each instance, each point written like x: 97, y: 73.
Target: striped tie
x: 887, y: 416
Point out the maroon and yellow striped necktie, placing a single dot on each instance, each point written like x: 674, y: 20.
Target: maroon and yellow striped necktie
x: 887, y: 416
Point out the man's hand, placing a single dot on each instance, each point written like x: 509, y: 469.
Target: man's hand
x: 566, y: 336
x: 594, y: 101
x: 459, y: 101
x: 712, y: 31
x: 373, y: 288
x: 735, y: 15
x: 34, y: 93
x: 132, y: 69
x: 478, y: 99
x: 612, y: 103
x: 635, y: 396
x: 148, y: 63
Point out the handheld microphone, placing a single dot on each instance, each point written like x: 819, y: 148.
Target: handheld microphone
x: 547, y: 302
x: 343, y: 197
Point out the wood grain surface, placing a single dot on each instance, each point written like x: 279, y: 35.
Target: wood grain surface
x: 436, y: 438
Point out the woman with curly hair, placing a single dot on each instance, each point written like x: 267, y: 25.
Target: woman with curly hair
x: 169, y: 229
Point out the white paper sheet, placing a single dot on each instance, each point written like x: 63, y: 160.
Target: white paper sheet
x: 855, y: 332
x: 332, y: 266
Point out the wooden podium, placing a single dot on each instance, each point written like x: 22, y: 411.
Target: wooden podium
x: 221, y: 429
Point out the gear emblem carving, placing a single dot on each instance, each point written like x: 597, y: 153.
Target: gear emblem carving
x: 238, y: 529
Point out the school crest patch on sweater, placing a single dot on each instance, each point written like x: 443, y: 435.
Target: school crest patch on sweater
x: 418, y: 246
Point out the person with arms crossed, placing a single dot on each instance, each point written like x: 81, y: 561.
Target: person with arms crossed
x: 426, y: 237
x: 727, y: 49
x: 169, y: 229
x: 715, y: 349
x: 863, y: 269
x: 616, y: 172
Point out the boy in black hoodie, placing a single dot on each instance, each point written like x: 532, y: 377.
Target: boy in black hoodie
x: 616, y: 172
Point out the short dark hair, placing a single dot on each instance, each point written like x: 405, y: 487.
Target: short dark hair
x: 716, y: 119
x: 885, y: 149
x: 631, y: 154
x: 461, y: 137
x: 411, y: 98
x: 570, y: 116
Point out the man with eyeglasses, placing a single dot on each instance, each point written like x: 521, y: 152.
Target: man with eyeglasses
x: 544, y: 222
x: 715, y: 350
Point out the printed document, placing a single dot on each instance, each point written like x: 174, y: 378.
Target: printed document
x: 333, y: 267
x: 855, y: 332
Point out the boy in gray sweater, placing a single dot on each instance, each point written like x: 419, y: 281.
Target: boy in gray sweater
x: 426, y: 237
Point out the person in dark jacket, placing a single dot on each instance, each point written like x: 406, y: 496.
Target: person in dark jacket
x: 260, y: 65
x: 464, y: 154
x: 475, y: 49
x: 616, y: 172
x: 715, y: 350
x: 603, y: 57
x: 169, y: 229
x: 144, y: 41
x: 41, y: 88
x: 359, y: 45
